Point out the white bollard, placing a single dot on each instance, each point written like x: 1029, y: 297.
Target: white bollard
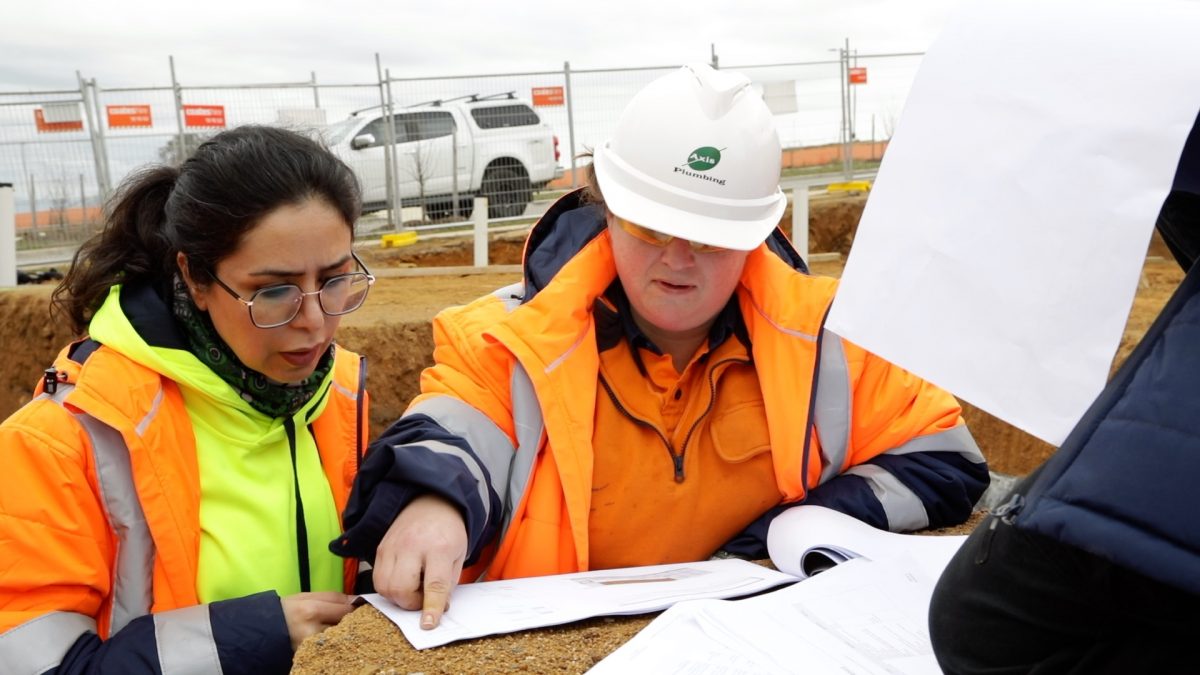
x: 479, y: 216
x: 800, y: 220
x: 8, y: 236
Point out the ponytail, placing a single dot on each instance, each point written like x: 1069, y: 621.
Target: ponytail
x: 201, y: 209
x: 132, y: 247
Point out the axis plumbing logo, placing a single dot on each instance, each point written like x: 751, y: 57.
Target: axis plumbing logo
x: 703, y: 158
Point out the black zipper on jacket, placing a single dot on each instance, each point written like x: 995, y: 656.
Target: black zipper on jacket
x: 301, y: 527
x: 359, y: 403
x: 676, y: 457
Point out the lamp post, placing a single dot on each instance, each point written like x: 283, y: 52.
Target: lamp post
x: 844, y: 98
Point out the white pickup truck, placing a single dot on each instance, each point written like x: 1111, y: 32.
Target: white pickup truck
x: 503, y: 150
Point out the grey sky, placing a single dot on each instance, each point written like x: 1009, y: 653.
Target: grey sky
x: 126, y: 43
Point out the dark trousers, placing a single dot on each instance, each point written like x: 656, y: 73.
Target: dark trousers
x: 1013, y: 601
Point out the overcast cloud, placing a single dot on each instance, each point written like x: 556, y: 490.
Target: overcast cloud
x: 126, y: 43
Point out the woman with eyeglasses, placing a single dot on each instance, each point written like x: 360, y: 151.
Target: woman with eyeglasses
x: 658, y: 387
x: 168, y: 497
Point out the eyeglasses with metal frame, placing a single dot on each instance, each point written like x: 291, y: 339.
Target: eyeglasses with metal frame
x: 275, y: 306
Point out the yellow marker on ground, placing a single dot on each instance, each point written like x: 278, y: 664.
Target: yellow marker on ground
x: 850, y: 186
x: 398, y: 239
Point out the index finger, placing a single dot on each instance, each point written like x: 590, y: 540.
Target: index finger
x: 436, y: 594
x: 439, y: 580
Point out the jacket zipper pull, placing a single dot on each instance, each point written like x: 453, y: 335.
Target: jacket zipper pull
x: 50, y: 380
x: 1009, y: 510
x: 678, y: 460
x: 1006, y: 513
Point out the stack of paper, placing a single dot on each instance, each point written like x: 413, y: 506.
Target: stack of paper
x: 492, y: 607
x: 860, y: 618
x: 795, y: 538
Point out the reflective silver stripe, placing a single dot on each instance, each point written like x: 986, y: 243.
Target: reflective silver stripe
x: 530, y: 430
x: 571, y: 350
x: 149, y: 416
x: 833, y: 407
x: 903, y: 507
x: 530, y: 427
x: 352, y: 395
x: 472, y: 464
x: 511, y: 295
x: 185, y: 642
x: 786, y: 331
x: 41, y: 643
x: 134, y: 566
x: 133, y: 569
x: 527, y: 417
x: 955, y: 439
x: 490, y: 444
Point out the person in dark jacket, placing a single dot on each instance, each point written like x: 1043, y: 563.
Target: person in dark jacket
x: 1093, y: 564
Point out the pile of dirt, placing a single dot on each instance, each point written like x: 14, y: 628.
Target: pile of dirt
x: 29, y: 340
x: 393, y: 328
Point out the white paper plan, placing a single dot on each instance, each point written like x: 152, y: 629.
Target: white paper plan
x: 1000, y: 250
x: 859, y: 618
x: 492, y: 607
x: 808, y: 530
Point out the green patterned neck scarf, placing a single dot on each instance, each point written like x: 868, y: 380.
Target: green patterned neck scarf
x: 271, y: 398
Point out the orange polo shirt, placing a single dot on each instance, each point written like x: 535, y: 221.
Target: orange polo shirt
x: 682, y: 461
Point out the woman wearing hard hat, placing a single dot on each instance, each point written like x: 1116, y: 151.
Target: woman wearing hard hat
x: 649, y: 392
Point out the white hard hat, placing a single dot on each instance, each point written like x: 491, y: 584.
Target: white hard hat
x: 695, y: 155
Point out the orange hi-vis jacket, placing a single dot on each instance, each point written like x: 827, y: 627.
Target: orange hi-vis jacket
x: 511, y: 405
x: 100, y: 512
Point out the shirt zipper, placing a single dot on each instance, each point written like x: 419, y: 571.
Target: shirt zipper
x: 676, y: 457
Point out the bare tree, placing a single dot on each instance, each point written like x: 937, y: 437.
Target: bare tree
x: 888, y: 122
x: 170, y: 153
x: 60, y: 195
x: 420, y: 167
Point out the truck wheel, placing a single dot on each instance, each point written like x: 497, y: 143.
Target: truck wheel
x: 438, y: 210
x: 508, y: 191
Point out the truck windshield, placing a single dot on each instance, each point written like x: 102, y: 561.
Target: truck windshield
x: 335, y: 133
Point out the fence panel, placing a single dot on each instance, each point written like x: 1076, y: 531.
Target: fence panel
x: 46, y: 153
x: 53, y: 164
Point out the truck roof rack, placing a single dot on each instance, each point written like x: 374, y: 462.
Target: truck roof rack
x: 439, y: 101
x: 436, y: 102
x: 354, y: 113
x: 509, y: 95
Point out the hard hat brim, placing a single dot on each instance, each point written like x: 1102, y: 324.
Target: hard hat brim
x: 737, y: 224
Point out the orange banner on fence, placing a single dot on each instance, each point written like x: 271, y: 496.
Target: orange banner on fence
x: 858, y: 76
x: 204, y: 116
x: 128, y: 116
x: 548, y: 96
x: 39, y: 119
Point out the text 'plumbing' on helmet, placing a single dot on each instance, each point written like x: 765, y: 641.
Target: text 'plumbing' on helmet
x: 695, y: 155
